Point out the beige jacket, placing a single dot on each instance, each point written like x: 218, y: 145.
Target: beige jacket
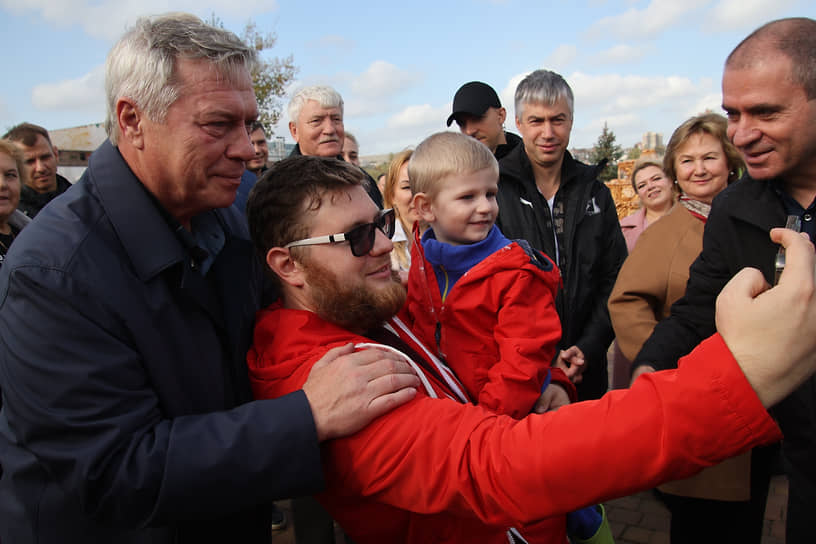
x: 651, y: 279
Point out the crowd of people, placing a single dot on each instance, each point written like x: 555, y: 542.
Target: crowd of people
x: 190, y: 333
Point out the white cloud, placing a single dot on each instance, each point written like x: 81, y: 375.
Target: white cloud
x: 744, y: 14
x: 107, y: 19
x: 418, y: 116
x: 616, y: 92
x: 85, y: 93
x: 406, y: 128
x: 649, y: 21
x: 619, y: 54
x: 559, y: 59
x: 708, y: 102
x: 382, y: 79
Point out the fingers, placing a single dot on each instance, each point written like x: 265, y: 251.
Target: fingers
x: 385, y: 403
x: 772, y: 332
x: 746, y: 284
x: 333, y: 354
x: 346, y: 389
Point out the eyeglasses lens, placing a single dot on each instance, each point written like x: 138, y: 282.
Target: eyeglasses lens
x: 361, y: 239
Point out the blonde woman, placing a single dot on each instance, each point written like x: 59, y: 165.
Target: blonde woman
x: 397, y: 195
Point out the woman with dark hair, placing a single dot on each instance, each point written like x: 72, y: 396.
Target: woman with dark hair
x: 724, y: 503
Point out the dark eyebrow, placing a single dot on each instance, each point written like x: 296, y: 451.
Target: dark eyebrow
x: 759, y: 109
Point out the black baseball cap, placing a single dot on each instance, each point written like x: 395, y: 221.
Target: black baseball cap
x: 473, y: 98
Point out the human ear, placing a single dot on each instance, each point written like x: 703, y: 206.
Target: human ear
x: 129, y: 119
x: 280, y: 261
x: 422, y: 205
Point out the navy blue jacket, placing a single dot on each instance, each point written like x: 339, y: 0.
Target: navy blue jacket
x: 127, y: 414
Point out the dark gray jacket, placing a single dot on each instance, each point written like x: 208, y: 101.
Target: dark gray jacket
x: 591, y: 250
x: 127, y: 414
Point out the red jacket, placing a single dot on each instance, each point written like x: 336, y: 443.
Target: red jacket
x: 497, y: 328
x: 437, y: 471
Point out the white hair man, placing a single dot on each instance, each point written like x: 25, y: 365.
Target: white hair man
x: 316, y: 124
x: 131, y: 419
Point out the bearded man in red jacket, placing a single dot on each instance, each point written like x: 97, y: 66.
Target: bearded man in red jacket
x: 440, y: 469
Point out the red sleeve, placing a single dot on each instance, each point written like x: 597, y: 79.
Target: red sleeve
x: 437, y: 455
x: 526, y: 333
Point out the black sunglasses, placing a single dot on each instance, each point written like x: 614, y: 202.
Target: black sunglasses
x: 360, y: 238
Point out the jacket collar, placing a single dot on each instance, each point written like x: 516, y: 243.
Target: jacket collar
x: 145, y: 235
x: 771, y: 212
x: 517, y: 164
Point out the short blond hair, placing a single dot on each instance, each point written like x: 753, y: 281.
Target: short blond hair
x: 444, y: 154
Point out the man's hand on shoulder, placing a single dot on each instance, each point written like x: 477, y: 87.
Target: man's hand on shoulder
x: 772, y: 331
x: 347, y: 389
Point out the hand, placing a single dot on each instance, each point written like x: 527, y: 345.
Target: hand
x: 642, y: 369
x: 348, y: 389
x: 571, y: 361
x: 772, y: 331
x: 551, y: 399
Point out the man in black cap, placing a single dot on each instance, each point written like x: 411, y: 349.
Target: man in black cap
x: 479, y: 114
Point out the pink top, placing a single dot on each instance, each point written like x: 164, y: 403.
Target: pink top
x: 632, y: 225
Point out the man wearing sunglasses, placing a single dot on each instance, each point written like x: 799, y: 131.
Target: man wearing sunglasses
x: 440, y: 469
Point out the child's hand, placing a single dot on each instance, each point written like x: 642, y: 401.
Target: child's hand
x: 572, y: 362
x: 553, y: 398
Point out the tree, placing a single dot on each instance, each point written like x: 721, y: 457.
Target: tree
x: 270, y: 77
x: 607, y: 148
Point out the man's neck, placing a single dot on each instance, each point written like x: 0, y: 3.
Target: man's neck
x: 501, y: 141
x: 548, y: 177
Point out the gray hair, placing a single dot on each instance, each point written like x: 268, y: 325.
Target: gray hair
x: 142, y: 64
x: 543, y: 87
x: 324, y: 95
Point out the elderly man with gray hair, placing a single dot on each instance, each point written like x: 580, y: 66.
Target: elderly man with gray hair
x: 561, y: 207
x: 126, y: 312
x: 316, y: 124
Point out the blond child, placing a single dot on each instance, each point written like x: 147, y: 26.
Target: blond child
x: 486, y: 303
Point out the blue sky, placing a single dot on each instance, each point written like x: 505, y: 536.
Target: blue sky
x: 636, y: 65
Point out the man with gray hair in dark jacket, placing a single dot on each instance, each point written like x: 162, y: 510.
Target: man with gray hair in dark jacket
x: 561, y: 207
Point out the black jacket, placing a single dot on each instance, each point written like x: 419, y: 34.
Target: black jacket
x: 736, y: 236
x: 31, y: 202
x: 370, y: 185
x: 503, y: 150
x: 591, y: 250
